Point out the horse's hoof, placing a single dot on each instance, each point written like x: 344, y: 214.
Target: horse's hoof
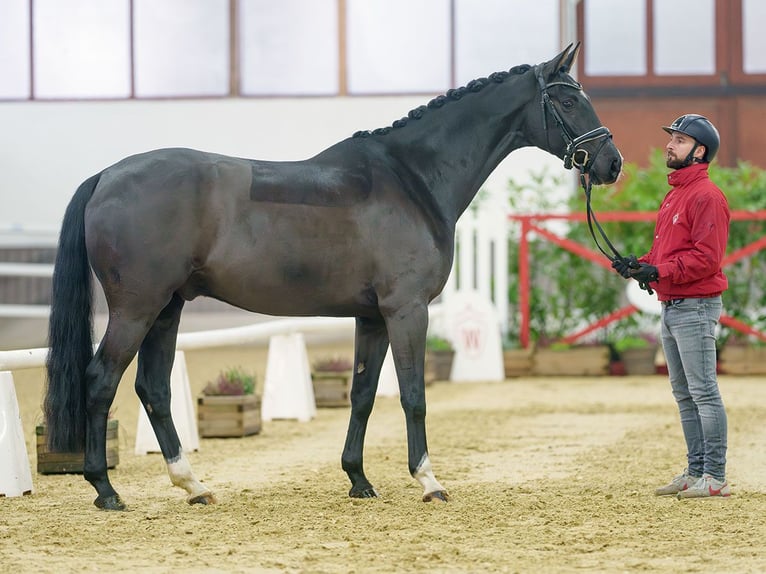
x: 369, y: 492
x: 204, y: 498
x: 436, y: 496
x: 113, y: 502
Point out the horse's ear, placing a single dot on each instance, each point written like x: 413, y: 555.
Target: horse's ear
x: 565, y: 60
x: 567, y: 57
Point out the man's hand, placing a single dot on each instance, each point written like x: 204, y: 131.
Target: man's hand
x: 624, y: 265
x: 644, y: 275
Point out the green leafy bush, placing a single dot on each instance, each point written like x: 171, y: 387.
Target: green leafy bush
x: 436, y: 343
x: 568, y: 292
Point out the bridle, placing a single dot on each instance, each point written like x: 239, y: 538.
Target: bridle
x: 575, y: 155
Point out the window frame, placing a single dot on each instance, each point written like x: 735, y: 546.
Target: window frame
x: 728, y: 17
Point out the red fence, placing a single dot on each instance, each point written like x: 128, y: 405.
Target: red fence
x: 530, y: 224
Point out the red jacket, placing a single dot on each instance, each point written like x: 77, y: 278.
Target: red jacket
x: 690, y: 237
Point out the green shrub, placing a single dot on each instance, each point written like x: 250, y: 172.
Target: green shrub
x: 568, y: 292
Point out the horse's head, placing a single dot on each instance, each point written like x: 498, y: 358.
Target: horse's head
x: 568, y: 124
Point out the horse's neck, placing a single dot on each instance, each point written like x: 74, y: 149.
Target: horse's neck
x: 451, y: 151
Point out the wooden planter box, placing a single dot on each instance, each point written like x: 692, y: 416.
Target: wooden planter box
x: 332, y: 389
x: 518, y: 362
x: 575, y: 361
x: 228, y: 415
x: 438, y: 365
x: 639, y: 361
x: 73, y: 462
x: 743, y: 360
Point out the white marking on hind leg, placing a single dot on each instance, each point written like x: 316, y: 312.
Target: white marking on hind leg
x: 425, y: 476
x: 181, y: 475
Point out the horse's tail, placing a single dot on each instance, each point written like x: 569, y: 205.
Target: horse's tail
x: 70, y: 330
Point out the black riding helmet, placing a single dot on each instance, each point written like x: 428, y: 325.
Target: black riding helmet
x: 700, y: 128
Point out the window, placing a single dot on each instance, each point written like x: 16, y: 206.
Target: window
x: 288, y: 48
x: 653, y: 42
x: 502, y: 34
x: 684, y: 37
x: 14, y: 49
x: 398, y: 46
x: 181, y: 48
x: 81, y: 49
x: 616, y: 33
x: 753, y: 37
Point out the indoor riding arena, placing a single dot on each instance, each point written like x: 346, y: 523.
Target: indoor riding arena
x: 292, y: 212
x: 545, y: 474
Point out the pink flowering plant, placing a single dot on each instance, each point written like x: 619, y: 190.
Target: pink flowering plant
x: 231, y: 381
x: 332, y: 365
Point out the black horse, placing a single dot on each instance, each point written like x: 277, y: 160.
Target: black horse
x: 364, y: 229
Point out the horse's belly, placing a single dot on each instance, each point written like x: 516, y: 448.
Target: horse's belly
x: 273, y: 293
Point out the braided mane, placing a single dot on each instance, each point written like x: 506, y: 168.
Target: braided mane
x: 451, y: 95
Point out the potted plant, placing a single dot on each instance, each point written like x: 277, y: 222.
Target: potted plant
x: 637, y: 354
x: 229, y: 405
x: 561, y: 359
x: 439, y: 356
x: 332, y: 378
x: 73, y: 462
x: 517, y: 361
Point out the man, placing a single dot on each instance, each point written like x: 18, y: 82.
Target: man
x: 684, y: 267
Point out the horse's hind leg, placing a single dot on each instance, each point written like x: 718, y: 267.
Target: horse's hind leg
x: 103, y: 374
x: 370, y: 351
x: 155, y: 362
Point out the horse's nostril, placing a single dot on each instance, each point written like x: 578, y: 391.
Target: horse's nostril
x: 615, y: 168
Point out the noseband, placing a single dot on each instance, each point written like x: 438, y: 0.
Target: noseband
x: 575, y: 155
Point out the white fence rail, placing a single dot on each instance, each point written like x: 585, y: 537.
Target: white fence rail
x: 250, y: 334
x: 258, y: 333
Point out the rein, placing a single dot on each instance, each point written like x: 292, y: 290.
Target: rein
x: 575, y: 156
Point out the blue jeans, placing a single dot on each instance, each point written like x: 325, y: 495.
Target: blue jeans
x: 688, y: 340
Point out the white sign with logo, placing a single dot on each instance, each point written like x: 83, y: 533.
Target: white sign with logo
x: 472, y: 324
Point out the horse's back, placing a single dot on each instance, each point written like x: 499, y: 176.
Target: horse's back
x: 300, y: 238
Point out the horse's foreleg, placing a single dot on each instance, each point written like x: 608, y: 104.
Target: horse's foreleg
x: 407, y: 329
x: 155, y: 363
x: 370, y: 351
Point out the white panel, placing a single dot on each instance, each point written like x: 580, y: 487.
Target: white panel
x: 81, y: 48
x: 181, y: 47
x: 289, y: 48
x: 492, y: 35
x: 684, y: 37
x: 615, y: 31
x: 14, y: 49
x: 397, y: 46
x: 754, y: 39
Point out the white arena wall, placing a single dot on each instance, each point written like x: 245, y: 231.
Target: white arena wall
x: 48, y: 148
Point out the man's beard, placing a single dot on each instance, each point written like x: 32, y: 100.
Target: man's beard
x: 674, y: 163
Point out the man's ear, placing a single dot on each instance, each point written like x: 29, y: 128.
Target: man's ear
x: 700, y: 152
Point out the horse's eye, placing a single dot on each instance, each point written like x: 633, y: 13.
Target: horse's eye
x: 567, y: 103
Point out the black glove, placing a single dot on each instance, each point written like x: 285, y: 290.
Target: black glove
x: 624, y: 265
x: 645, y: 274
